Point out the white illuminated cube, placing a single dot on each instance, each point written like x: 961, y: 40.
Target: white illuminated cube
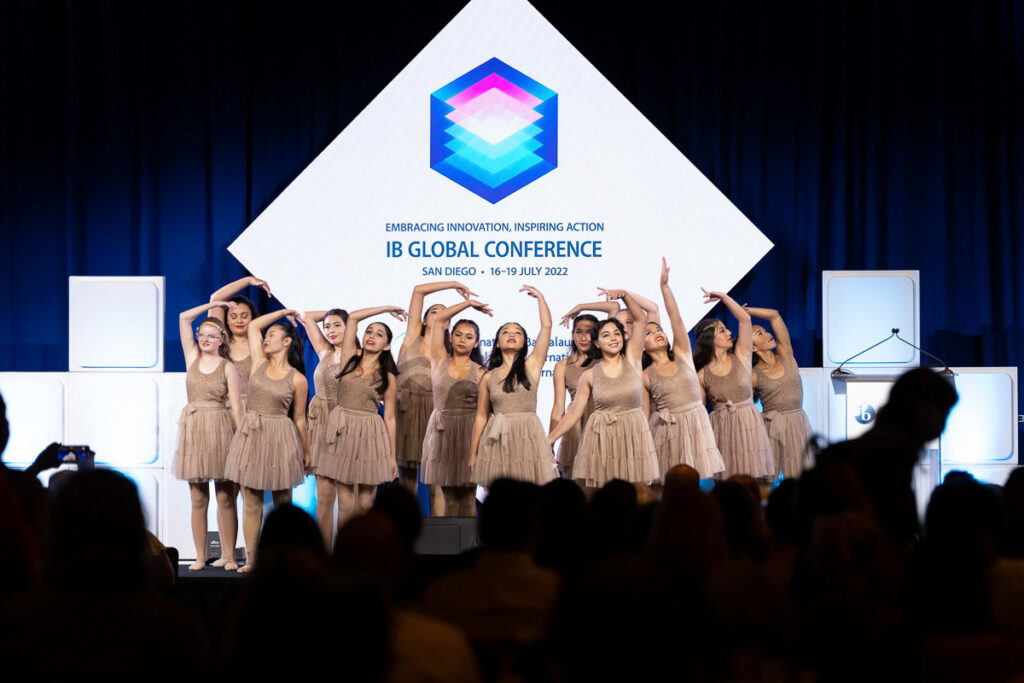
x: 117, y: 324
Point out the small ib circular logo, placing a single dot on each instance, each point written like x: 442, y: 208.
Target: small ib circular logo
x: 865, y: 413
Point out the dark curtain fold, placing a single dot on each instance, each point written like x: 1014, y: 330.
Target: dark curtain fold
x: 141, y: 138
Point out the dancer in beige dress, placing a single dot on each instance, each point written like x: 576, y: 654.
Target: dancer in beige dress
x: 723, y: 366
x: 205, y: 429
x: 237, y: 320
x: 612, y: 309
x: 508, y: 437
x: 455, y: 377
x: 327, y: 343
x: 415, y: 395
x: 360, y: 450
x: 566, y: 377
x: 270, y: 450
x: 616, y: 441
x: 679, y: 421
x: 777, y: 382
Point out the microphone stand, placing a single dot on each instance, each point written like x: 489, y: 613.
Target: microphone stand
x: 895, y: 333
x: 840, y: 371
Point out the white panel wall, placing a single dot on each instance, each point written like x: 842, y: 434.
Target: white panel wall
x: 35, y: 411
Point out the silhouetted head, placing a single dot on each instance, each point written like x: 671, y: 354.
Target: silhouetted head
x: 289, y: 528
x: 919, y: 404
x: 681, y: 477
x: 5, y: 428
x: 369, y: 545
x: 98, y: 534
x: 398, y: 504
x: 508, y: 515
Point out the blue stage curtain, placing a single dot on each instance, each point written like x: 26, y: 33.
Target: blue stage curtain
x: 139, y: 138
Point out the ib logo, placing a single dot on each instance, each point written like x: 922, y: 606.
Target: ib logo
x: 493, y: 130
x: 865, y: 413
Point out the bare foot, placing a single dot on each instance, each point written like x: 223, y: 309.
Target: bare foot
x: 197, y: 565
x: 220, y: 561
x: 230, y: 566
x: 245, y: 569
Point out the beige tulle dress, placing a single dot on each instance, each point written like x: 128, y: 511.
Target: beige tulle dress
x: 450, y: 429
x: 266, y: 453
x: 244, y: 368
x: 358, y: 449
x: 736, y: 421
x: 513, y: 443
x: 788, y: 428
x: 415, y: 402
x: 325, y: 382
x: 679, y: 422
x: 570, y: 442
x: 616, y: 442
x: 205, y: 428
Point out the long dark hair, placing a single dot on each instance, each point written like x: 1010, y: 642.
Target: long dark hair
x: 385, y: 362
x: 594, y: 353
x: 475, y: 354
x: 582, y: 317
x: 704, y: 342
x: 297, y: 349
x: 517, y: 374
x: 447, y: 333
x: 646, y: 359
x: 343, y: 314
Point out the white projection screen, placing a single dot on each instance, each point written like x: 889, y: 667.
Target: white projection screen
x: 499, y: 157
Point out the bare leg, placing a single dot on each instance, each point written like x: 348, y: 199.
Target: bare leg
x: 410, y: 477
x: 438, y: 501
x: 200, y: 492
x: 325, y: 498
x: 365, y: 498
x: 252, y: 518
x: 346, y: 502
x: 451, y: 502
x: 227, y: 522
x: 567, y: 472
x: 467, y: 501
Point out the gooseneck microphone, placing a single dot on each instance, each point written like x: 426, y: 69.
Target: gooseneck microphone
x: 894, y: 332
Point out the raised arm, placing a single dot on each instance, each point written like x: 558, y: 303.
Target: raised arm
x: 483, y: 411
x: 653, y: 316
x: 415, y: 325
x: 232, y: 288
x: 784, y: 345
x: 310, y: 320
x: 576, y: 408
x: 680, y: 337
x: 348, y: 341
x: 185, y: 318
x: 256, y: 328
x: 609, y: 308
x: 744, y: 338
x: 535, y: 361
x: 640, y: 316
x: 640, y: 311
x: 437, y: 350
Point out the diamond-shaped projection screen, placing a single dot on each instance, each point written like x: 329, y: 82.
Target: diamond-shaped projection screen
x: 377, y: 211
x: 493, y: 130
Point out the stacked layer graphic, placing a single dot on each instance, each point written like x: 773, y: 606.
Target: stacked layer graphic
x: 493, y: 130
